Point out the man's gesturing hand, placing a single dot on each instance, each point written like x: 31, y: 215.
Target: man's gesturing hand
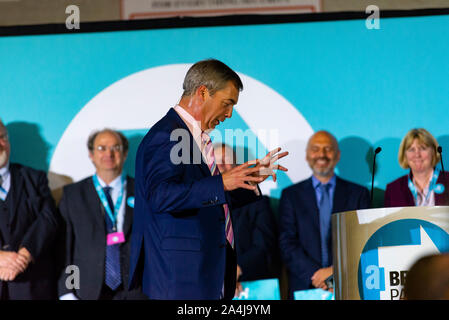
x: 267, y: 164
x: 251, y: 173
x: 238, y: 176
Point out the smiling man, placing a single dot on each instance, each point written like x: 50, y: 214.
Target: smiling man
x: 182, y: 240
x: 305, y: 215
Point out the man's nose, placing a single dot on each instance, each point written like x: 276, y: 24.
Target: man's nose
x: 322, y: 153
x: 109, y: 152
x: 229, y: 113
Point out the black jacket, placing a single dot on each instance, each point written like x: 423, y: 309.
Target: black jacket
x: 83, y: 240
x: 31, y: 222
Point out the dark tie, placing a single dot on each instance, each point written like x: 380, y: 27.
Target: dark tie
x: 325, y: 221
x: 113, y: 277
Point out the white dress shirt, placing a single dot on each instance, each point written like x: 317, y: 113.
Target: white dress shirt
x: 116, y: 186
x: 425, y: 198
x: 194, y: 128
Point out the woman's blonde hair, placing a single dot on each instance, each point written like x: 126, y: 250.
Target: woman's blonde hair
x: 424, y: 137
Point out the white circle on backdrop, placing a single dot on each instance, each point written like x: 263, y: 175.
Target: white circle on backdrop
x: 139, y: 100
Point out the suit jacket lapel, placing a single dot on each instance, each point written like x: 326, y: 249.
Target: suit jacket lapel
x: 16, y: 192
x: 194, y: 150
x: 128, y: 210
x: 410, y: 200
x: 311, y: 202
x: 340, y: 196
x: 93, y: 201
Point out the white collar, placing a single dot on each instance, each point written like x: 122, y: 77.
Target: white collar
x: 4, y: 171
x: 193, y: 125
x: 115, y: 184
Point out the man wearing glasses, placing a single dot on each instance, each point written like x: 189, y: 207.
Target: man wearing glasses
x: 28, y: 227
x: 97, y: 212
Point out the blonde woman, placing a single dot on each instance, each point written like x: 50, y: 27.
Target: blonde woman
x: 425, y: 185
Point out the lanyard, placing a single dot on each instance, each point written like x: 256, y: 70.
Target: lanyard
x: 104, y: 201
x: 432, y: 185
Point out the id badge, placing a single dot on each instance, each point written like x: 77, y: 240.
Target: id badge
x: 115, y: 238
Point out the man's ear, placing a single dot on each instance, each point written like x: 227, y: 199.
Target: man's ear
x: 202, y: 92
x: 91, y: 155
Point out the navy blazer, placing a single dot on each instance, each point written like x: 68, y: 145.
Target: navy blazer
x: 398, y: 194
x: 299, y: 238
x: 178, y: 245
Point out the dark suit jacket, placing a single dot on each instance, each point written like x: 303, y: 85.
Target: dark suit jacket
x: 299, y: 224
x: 33, y: 224
x: 84, y: 239
x: 398, y: 194
x: 256, y: 240
x: 178, y: 246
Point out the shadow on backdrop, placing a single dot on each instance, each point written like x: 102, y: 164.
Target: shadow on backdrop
x: 388, y: 168
x: 29, y: 148
x: 130, y: 165
x: 356, y: 163
x: 443, y: 141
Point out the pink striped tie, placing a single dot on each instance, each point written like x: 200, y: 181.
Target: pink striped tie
x: 210, y: 157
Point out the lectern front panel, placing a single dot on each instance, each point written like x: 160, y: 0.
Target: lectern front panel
x: 373, y: 249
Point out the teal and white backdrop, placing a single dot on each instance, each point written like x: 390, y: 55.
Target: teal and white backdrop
x: 366, y: 86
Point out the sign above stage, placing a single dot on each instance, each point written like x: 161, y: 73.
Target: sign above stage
x: 147, y: 9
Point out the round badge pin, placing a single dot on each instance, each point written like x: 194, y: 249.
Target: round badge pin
x: 439, y: 188
x: 130, y: 202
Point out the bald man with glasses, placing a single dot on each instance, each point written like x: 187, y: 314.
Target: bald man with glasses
x: 97, y: 214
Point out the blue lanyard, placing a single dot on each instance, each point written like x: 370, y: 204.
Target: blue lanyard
x: 104, y: 201
x: 432, y: 185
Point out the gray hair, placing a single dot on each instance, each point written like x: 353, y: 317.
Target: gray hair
x: 211, y: 73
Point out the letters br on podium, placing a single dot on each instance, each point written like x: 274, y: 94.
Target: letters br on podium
x: 373, y: 249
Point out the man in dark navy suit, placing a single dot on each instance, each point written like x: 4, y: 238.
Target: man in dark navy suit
x: 256, y: 239
x: 305, y: 215
x: 182, y: 243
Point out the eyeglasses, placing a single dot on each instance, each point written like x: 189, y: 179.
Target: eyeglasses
x: 116, y: 148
